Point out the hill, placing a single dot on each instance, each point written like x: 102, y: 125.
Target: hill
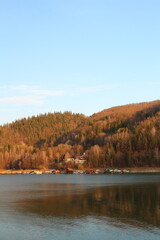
x: 123, y: 136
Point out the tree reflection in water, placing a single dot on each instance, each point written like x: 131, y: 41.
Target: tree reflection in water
x: 125, y: 202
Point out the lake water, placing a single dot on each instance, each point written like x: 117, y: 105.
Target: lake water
x: 90, y: 207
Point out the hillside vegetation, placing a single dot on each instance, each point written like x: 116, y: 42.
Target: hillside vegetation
x: 124, y: 136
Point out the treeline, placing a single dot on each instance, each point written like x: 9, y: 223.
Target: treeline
x: 125, y: 136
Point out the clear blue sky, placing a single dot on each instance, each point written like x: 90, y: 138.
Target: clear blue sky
x: 77, y: 55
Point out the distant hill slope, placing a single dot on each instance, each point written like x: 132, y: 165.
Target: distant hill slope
x: 123, y: 136
x: 128, y: 111
x: 35, y: 130
x: 110, y: 121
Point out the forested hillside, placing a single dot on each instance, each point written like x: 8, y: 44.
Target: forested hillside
x: 124, y: 136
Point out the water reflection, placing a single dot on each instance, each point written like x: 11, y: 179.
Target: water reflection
x: 126, y: 202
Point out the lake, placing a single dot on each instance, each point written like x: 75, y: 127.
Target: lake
x: 80, y: 207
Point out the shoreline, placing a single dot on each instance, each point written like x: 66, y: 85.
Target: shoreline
x: 39, y: 172
x: 144, y: 170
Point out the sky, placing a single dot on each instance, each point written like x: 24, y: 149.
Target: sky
x: 77, y: 55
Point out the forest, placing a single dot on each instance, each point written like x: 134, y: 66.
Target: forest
x: 122, y: 136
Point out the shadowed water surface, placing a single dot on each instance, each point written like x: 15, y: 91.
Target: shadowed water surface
x: 82, y: 206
